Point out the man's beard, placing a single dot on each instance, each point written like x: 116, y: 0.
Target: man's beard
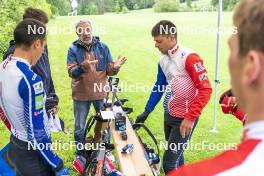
x: 87, y: 42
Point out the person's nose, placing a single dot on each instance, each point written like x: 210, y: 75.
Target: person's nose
x: 86, y: 33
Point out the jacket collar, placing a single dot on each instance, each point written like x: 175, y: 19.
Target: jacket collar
x: 94, y: 42
x: 20, y: 60
x: 254, y: 130
x: 174, y: 51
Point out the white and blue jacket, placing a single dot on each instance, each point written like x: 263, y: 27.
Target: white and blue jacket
x: 22, y: 100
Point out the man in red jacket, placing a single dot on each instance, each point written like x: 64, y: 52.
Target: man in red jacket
x: 246, y: 65
x: 188, y: 90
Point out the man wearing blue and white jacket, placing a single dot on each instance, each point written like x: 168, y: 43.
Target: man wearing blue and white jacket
x: 89, y: 64
x: 22, y: 100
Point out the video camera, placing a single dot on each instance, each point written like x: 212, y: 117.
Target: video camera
x: 113, y: 83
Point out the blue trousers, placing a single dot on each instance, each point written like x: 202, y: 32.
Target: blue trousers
x: 81, y: 111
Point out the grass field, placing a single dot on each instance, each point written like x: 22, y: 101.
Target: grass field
x: 129, y: 35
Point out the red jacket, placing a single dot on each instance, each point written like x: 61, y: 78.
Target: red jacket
x: 188, y: 87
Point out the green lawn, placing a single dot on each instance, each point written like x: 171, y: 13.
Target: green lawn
x: 129, y: 35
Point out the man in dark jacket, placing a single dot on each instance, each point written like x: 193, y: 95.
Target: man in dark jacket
x: 42, y: 68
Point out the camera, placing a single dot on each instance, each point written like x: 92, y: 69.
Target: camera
x: 113, y: 81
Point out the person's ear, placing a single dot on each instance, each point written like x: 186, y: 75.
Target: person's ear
x: 37, y: 44
x: 252, y: 68
x: 171, y: 38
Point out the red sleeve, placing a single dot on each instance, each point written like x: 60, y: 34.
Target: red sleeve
x: 197, y: 72
x: 4, y: 119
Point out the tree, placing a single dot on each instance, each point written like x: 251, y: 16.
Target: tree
x: 232, y: 4
x: 100, y: 6
x: 11, y: 13
x: 130, y: 4
x: 167, y: 6
x: 60, y: 7
x: 109, y: 5
x: 117, y: 7
x: 189, y: 3
x: 227, y: 4
x: 89, y: 7
x: 145, y: 3
x: 121, y: 3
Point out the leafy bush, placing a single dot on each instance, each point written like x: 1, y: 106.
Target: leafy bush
x: 189, y: 3
x: 11, y: 13
x: 167, y: 6
x: 88, y: 7
x: 60, y: 7
x: 145, y: 3
x: 124, y: 9
x: 110, y: 5
x: 130, y: 4
x: 232, y: 4
x: 91, y: 9
x: 121, y: 6
x: 136, y: 7
x: 117, y: 7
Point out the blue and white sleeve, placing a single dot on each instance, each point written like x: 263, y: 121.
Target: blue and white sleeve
x: 157, y: 90
x: 32, y: 94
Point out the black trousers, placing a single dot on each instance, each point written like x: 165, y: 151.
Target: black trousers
x: 26, y: 161
x: 173, y: 155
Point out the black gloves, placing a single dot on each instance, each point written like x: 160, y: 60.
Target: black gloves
x: 142, y: 117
